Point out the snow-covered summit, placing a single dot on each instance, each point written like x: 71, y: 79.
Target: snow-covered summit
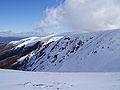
x: 27, y: 42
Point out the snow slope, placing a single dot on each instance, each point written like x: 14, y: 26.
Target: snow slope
x: 27, y: 42
x: 98, y: 51
x: 16, y: 80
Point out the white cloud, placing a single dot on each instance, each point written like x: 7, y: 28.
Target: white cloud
x: 84, y: 15
x: 53, y: 17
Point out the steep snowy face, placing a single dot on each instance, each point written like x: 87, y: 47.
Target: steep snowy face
x: 52, y: 54
x: 75, y: 52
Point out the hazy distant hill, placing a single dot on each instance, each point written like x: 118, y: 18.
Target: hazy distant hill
x: 8, y: 39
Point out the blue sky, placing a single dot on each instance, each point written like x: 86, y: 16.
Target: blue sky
x: 22, y: 15
x: 59, y: 15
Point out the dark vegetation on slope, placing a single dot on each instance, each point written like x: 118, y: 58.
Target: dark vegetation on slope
x: 9, y: 54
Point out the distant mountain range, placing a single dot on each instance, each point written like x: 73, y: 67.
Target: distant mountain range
x: 70, y: 52
x: 22, y: 34
x: 8, y: 39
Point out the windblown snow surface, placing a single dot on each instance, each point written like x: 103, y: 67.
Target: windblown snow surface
x: 97, y: 51
x: 20, y: 80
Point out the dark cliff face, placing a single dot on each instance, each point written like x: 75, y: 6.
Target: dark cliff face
x: 9, y: 54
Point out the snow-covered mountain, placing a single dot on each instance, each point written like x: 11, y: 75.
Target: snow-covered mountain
x: 96, y: 51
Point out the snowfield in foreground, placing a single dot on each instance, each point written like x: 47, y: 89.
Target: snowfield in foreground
x: 20, y: 80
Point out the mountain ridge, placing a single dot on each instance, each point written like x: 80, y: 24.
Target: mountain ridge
x: 71, y: 52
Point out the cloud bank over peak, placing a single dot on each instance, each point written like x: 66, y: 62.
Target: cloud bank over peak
x: 83, y: 15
